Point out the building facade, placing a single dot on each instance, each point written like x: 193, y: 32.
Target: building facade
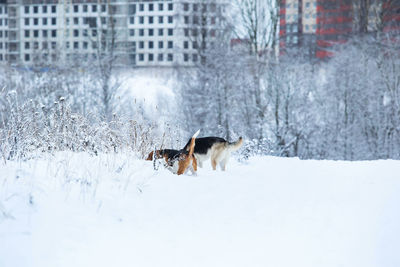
x: 136, y: 32
x: 317, y: 25
x: 3, y: 30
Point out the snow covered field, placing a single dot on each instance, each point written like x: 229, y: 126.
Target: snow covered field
x: 112, y: 210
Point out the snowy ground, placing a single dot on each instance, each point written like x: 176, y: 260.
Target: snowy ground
x: 78, y: 210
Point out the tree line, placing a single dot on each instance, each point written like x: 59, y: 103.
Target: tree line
x: 345, y: 107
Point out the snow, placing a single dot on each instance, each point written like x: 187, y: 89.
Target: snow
x: 72, y: 209
x: 153, y: 89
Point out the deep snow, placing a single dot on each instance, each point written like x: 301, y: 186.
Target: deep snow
x: 111, y: 210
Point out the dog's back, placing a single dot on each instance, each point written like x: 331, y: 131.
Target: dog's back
x: 204, y: 144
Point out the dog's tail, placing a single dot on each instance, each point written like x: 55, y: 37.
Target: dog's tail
x: 184, y: 163
x: 193, y: 143
x: 235, y: 145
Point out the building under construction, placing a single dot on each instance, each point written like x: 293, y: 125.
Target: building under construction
x: 314, y: 26
x: 135, y: 32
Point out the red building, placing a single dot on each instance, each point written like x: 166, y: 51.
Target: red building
x: 317, y: 25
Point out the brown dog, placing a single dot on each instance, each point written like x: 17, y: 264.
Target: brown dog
x: 181, y: 158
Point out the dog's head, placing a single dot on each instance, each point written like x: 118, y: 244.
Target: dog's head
x: 167, y: 154
x: 151, y: 154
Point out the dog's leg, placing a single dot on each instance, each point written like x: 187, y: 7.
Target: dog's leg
x: 194, y: 166
x: 223, y: 163
x: 183, y: 164
x: 214, y: 164
x: 194, y: 163
x: 192, y: 171
x: 216, y: 158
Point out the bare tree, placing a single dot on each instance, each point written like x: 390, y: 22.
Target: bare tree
x: 105, y: 38
x: 372, y: 15
x: 209, y: 32
x: 260, y: 20
x: 205, y: 26
x: 361, y: 9
x: 216, y: 92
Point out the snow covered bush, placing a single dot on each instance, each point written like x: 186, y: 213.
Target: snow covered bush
x: 64, y: 120
x: 32, y: 128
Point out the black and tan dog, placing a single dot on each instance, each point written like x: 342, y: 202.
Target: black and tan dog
x: 178, y: 160
x: 216, y: 148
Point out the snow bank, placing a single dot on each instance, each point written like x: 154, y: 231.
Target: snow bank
x: 113, y: 210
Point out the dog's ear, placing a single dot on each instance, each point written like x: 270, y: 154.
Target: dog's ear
x: 150, y: 156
